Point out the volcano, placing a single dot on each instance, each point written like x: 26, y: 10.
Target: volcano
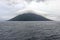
x: 29, y: 17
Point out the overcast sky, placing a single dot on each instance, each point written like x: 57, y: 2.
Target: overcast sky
x: 48, y: 8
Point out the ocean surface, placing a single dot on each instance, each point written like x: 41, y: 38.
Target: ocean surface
x: 30, y: 30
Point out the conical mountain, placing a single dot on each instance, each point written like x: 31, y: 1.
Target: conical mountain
x: 29, y: 17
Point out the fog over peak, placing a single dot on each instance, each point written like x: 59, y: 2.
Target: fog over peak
x: 47, y: 8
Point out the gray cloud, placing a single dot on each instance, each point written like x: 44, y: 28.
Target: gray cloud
x: 29, y: 1
x: 40, y: 0
x: 52, y: 8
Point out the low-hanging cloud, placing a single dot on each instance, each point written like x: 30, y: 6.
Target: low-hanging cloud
x: 51, y: 7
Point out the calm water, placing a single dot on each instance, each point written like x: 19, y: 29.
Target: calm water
x: 39, y: 30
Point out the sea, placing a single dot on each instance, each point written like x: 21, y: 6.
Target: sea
x: 29, y: 30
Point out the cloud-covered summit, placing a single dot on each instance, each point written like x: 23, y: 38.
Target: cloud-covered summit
x: 8, y: 8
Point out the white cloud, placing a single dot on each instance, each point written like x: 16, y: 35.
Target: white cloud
x: 53, y: 8
x: 8, y: 10
x: 48, y: 8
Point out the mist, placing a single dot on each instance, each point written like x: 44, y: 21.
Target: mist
x: 47, y: 8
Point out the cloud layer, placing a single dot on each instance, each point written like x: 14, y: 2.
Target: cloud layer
x: 48, y: 8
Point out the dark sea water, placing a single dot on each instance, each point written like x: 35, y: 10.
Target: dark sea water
x: 29, y: 30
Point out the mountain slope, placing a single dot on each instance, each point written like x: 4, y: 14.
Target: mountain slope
x: 29, y: 17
